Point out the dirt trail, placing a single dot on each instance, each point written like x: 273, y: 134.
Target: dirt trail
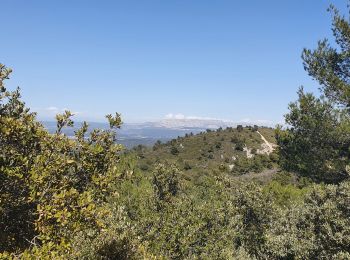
x: 267, y: 174
x: 267, y: 147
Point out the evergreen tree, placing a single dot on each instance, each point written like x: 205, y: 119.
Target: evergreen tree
x: 318, y: 140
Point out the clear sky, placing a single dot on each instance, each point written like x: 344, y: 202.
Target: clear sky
x: 220, y: 59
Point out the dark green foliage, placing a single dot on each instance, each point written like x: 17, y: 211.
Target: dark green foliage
x: 317, y: 228
x: 274, y: 157
x: 257, y: 164
x: 165, y: 183
x: 317, y: 143
x: 144, y: 167
x: 174, y: 150
x: 187, y: 166
x: 329, y: 65
x: 253, y: 211
x: 240, y: 145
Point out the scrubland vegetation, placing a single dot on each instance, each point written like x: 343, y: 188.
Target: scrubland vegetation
x: 223, y: 150
x: 195, y: 197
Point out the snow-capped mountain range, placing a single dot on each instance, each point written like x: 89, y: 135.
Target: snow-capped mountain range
x: 193, y: 123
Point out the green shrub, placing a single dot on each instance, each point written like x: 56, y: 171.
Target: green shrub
x: 174, y: 150
x: 52, y: 187
x: 187, y: 166
x: 240, y: 145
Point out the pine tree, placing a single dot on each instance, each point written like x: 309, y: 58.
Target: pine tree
x: 318, y: 140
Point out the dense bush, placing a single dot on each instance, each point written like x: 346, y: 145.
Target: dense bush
x: 239, y: 145
x: 174, y: 150
x: 52, y: 187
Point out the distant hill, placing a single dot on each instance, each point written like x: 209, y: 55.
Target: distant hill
x: 227, y: 150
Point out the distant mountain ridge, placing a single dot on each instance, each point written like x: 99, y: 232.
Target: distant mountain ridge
x: 132, y: 134
x: 194, y: 123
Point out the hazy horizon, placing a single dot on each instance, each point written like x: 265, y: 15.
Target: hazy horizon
x: 171, y: 117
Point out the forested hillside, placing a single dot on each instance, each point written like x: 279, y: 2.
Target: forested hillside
x: 88, y: 198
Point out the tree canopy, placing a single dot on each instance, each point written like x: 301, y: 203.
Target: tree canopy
x: 316, y: 143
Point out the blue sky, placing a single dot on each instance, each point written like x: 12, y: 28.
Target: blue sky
x: 233, y: 60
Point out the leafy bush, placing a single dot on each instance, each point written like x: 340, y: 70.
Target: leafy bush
x: 174, y: 150
x: 240, y: 145
x: 218, y: 145
x: 52, y: 187
x: 187, y: 166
